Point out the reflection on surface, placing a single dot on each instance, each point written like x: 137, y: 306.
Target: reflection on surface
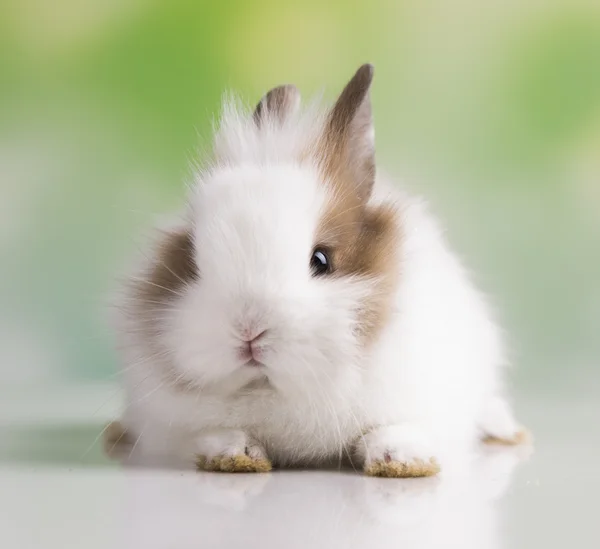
x: 317, y: 508
x: 57, y: 491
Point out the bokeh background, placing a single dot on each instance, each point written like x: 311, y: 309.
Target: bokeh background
x: 489, y: 109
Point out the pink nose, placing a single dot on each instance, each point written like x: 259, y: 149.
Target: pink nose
x: 251, y: 350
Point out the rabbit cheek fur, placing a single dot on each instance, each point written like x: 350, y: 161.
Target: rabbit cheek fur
x: 391, y: 359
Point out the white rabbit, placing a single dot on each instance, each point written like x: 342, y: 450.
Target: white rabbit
x: 306, y: 310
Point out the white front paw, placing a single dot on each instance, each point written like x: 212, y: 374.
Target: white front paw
x: 397, y: 451
x: 230, y: 451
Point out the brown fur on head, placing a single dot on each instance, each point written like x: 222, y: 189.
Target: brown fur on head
x: 362, y: 238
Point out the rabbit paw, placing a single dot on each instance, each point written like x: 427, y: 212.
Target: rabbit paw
x: 397, y: 451
x: 231, y: 451
x: 498, y: 425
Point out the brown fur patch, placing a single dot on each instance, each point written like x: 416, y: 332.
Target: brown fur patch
x: 173, y: 267
x: 397, y: 469
x: 234, y: 464
x: 364, y: 241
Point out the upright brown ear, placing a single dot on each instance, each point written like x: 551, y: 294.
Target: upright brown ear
x: 348, y: 140
x: 278, y: 104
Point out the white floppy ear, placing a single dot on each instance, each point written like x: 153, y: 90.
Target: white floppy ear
x: 277, y: 105
x: 348, y: 145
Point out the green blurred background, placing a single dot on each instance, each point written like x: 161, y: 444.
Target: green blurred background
x: 489, y: 109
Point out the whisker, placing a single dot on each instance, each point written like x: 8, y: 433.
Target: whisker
x: 137, y: 441
x: 161, y: 262
x: 94, y: 442
x: 138, y: 363
x: 149, y: 282
x: 123, y: 433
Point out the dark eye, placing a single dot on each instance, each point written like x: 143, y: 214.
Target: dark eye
x: 319, y: 262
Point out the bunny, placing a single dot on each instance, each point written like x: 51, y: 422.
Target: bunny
x: 306, y: 310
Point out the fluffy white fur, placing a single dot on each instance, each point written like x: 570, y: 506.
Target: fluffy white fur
x: 429, y: 385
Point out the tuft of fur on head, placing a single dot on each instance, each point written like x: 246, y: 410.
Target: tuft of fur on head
x: 269, y: 135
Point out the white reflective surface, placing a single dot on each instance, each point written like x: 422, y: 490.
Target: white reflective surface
x: 506, y: 498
